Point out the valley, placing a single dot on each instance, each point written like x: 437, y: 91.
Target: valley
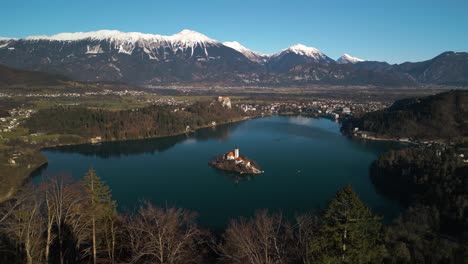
x: 133, y: 146
x: 24, y: 98
x: 117, y: 103
x: 133, y: 129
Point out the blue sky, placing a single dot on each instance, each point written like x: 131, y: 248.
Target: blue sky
x: 393, y: 30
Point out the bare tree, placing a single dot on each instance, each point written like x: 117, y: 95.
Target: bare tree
x: 261, y: 240
x: 158, y: 235
x: 78, y: 223
x: 63, y: 210
x: 11, y: 205
x: 306, y: 229
x: 110, y: 234
x: 24, y: 224
x: 75, y: 222
x: 65, y: 215
x: 49, y: 212
x: 44, y: 215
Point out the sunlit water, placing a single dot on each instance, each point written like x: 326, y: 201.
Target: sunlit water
x: 305, y: 160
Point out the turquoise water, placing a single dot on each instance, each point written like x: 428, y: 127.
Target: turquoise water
x: 305, y: 160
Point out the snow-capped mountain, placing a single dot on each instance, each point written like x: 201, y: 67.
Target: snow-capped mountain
x: 303, y: 50
x: 250, y: 54
x: 297, y: 55
x: 130, y: 57
x: 185, y: 36
x: 127, y: 42
x: 193, y: 58
x: 346, y: 58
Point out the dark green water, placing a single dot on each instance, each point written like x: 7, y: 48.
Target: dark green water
x: 305, y: 160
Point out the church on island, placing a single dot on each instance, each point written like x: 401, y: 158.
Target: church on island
x: 236, y: 158
x: 234, y: 162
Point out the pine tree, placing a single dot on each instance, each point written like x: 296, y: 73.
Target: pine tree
x: 350, y: 232
x: 101, y: 211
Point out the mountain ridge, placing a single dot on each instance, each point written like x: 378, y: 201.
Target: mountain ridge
x: 191, y: 57
x: 346, y: 58
x: 252, y: 55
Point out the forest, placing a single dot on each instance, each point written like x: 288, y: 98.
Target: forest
x: 429, y: 176
x: 67, y: 221
x: 146, y: 122
x: 440, y: 116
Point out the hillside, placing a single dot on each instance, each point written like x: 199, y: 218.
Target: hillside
x: 12, y: 77
x: 441, y: 116
x: 449, y: 68
x: 146, y: 122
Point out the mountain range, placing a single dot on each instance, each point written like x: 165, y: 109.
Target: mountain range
x: 189, y: 57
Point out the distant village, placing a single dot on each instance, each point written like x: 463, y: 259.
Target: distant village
x: 17, y: 115
x: 332, y: 108
x: 9, y: 123
x: 74, y: 95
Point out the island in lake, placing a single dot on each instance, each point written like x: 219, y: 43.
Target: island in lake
x: 232, y: 161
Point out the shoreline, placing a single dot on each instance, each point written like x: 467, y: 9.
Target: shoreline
x: 36, y: 167
x: 396, y: 140
x: 386, y: 139
x: 228, y: 166
x: 154, y: 137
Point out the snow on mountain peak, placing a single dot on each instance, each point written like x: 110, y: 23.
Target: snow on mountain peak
x: 96, y: 35
x: 236, y: 45
x: 190, y: 37
x: 301, y: 49
x: 185, y: 36
x: 125, y: 42
x: 250, y: 54
x: 190, y: 34
x: 239, y: 47
x: 346, y: 58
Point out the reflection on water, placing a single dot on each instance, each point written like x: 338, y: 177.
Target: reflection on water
x: 236, y: 178
x: 305, y: 160
x: 300, y: 120
x: 149, y: 146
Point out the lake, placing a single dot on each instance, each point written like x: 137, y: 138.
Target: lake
x: 306, y: 161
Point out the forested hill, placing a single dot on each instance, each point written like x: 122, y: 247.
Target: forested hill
x: 151, y: 121
x: 441, y: 116
x: 11, y: 77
